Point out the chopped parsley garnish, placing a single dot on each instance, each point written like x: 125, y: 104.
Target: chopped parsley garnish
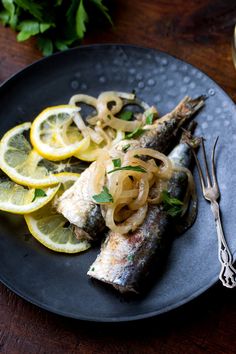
x: 135, y: 134
x: 126, y: 115
x: 173, y: 206
x: 125, y: 147
x: 39, y: 193
x: 108, y: 116
x: 149, y: 118
x: 117, y: 162
x: 103, y: 197
x: 130, y: 257
x: 129, y: 168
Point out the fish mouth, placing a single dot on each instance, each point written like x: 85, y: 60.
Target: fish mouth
x: 195, y: 104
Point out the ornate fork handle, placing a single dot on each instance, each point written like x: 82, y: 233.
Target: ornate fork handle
x: 228, y: 273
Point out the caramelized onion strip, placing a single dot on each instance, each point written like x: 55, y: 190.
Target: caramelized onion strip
x: 129, y: 224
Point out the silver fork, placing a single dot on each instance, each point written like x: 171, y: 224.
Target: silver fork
x: 211, y: 193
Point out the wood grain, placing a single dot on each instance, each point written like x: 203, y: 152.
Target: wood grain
x: 199, y: 32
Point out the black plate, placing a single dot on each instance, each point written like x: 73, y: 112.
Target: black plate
x: 58, y: 282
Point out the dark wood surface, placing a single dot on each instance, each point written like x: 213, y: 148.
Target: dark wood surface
x: 200, y: 32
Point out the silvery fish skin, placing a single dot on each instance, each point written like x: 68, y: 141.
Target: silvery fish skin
x: 125, y: 260
x: 77, y: 205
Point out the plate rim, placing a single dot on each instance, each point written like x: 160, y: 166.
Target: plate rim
x: 113, y: 319
x: 110, y: 44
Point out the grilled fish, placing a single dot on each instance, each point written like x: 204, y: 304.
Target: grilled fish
x: 77, y: 205
x: 125, y: 260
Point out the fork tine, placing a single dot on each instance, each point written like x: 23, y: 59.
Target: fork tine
x: 214, y: 178
x: 199, y: 170
x: 206, y: 164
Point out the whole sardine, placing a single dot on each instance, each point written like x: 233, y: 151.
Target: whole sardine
x: 77, y: 205
x: 125, y: 260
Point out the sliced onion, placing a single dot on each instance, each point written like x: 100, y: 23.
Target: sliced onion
x: 142, y: 195
x: 103, y: 134
x: 119, y: 124
x: 87, y: 131
x: 89, y: 100
x: 160, y: 185
x: 107, y: 116
x: 131, y: 224
x: 165, y: 169
x: 119, y: 136
x: 125, y: 95
x: 99, y: 173
x: 108, y: 97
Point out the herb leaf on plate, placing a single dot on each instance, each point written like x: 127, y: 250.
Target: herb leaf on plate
x: 39, y: 193
x: 129, y: 168
x: 173, y: 206
x: 103, y: 197
x: 116, y: 162
x: 135, y: 134
x: 126, y: 115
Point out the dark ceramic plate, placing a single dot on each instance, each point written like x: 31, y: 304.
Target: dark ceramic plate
x: 58, y: 282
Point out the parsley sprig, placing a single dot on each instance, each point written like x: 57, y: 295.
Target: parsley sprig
x: 38, y: 193
x: 173, y: 206
x: 103, y: 197
x: 126, y: 115
x: 134, y: 134
x: 116, y: 162
x: 128, y: 168
x: 57, y: 24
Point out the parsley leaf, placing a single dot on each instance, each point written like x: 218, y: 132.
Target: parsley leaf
x: 103, y: 9
x: 80, y: 20
x: 39, y: 193
x: 125, y: 147
x: 173, y: 206
x: 56, y: 24
x: 33, y: 7
x: 61, y: 45
x: 4, y: 17
x: 129, y: 168
x: 9, y: 15
x: 130, y: 257
x: 149, y: 118
x: 45, y: 45
x: 103, y: 197
x: 126, y: 115
x: 135, y: 134
x: 30, y: 28
x: 117, y: 162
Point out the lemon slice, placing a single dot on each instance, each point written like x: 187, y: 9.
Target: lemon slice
x: 51, y: 228
x: 93, y: 150
x: 54, y: 135
x: 25, y: 166
x: 22, y: 200
x: 90, y: 154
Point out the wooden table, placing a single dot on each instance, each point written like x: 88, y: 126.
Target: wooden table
x: 199, y: 32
